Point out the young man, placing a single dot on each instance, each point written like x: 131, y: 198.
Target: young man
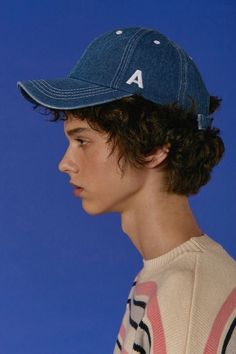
x: 137, y: 116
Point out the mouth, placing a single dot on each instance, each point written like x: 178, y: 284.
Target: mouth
x: 77, y: 190
x: 75, y: 186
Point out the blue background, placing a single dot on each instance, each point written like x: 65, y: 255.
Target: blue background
x: 65, y: 275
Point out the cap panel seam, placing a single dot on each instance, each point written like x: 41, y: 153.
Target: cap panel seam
x: 127, y: 61
x: 132, y: 53
x: 180, y: 64
x: 185, y: 76
x: 113, y: 82
x: 131, y: 43
x: 184, y: 70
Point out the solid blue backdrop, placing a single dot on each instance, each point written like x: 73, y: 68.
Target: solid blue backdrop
x: 65, y: 275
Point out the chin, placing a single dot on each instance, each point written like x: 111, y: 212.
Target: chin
x: 93, y: 209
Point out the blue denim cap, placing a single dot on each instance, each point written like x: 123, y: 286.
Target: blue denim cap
x: 121, y: 63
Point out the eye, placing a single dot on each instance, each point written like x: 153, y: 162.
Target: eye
x: 81, y: 141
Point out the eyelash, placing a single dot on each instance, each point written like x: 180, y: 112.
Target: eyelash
x: 81, y: 140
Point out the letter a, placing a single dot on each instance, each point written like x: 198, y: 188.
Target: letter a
x: 136, y: 78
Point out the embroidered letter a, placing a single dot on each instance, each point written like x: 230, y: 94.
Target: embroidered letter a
x: 136, y: 78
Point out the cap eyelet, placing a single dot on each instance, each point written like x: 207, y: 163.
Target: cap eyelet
x: 119, y: 32
x: 156, y: 41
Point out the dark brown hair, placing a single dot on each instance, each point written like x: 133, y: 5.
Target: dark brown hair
x: 137, y: 127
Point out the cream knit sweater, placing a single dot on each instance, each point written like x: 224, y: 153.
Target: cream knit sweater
x: 183, y: 302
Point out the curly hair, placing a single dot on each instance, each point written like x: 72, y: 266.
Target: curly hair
x: 137, y: 127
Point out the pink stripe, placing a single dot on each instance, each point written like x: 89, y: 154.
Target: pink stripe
x: 122, y: 332
x: 153, y: 313
x: 220, y: 322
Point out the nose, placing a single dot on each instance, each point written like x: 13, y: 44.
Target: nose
x: 67, y: 164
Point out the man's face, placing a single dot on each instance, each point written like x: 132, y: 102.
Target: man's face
x: 87, y: 163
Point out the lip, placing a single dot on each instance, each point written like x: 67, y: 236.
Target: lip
x: 75, y: 185
x: 77, y: 189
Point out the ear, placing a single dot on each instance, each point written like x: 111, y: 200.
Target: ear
x: 157, y: 157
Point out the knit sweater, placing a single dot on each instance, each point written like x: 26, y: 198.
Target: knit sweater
x: 182, y: 302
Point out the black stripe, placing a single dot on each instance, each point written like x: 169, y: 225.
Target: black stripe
x: 139, y: 349
x: 228, y: 336
x: 146, y: 329
x: 135, y: 303
x: 118, y: 343
x: 133, y: 285
x: 129, y: 302
x: 139, y: 303
x: 132, y: 322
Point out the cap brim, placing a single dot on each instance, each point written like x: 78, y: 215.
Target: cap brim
x: 68, y: 93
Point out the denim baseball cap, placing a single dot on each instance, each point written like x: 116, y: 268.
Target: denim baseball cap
x: 121, y: 63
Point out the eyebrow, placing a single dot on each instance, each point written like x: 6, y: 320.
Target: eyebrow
x: 77, y: 130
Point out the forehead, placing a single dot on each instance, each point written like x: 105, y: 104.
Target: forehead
x: 75, y: 125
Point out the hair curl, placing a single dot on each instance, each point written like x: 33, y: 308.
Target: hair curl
x: 137, y: 127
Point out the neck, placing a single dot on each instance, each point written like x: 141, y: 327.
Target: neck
x: 157, y: 225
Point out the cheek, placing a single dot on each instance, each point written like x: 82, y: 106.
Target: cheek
x: 95, y: 174
x: 108, y: 192
x: 111, y: 187
x: 104, y: 177
x: 100, y: 175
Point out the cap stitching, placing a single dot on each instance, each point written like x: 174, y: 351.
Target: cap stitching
x: 113, y: 82
x: 38, y: 85
x: 188, y: 81
x: 51, y: 94
x: 46, y: 93
x: 38, y: 100
x: 185, y: 77
x: 87, y: 89
x: 131, y: 51
x: 184, y: 73
x: 67, y: 90
x: 179, y: 89
x: 127, y: 48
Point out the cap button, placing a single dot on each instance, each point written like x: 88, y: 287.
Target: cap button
x: 119, y: 32
x: 156, y: 41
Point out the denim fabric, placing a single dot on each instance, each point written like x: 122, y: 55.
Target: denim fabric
x: 120, y: 63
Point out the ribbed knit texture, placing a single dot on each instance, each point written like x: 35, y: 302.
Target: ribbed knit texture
x: 183, y: 302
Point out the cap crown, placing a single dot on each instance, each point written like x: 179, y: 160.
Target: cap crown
x: 145, y: 62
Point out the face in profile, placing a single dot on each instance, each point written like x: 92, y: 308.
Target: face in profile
x: 88, y: 165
